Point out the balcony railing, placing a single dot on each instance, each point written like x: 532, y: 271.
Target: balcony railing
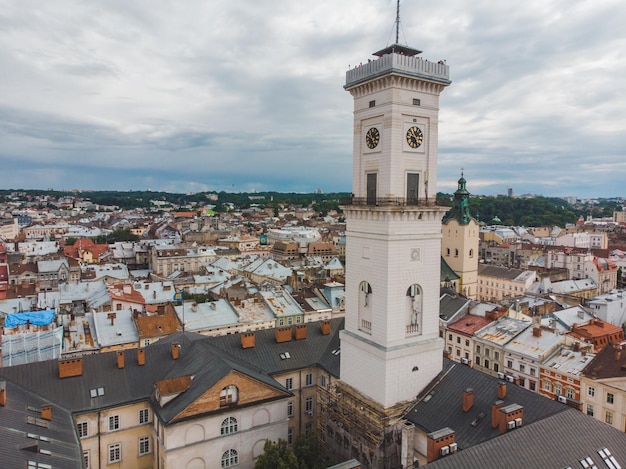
x: 389, y: 202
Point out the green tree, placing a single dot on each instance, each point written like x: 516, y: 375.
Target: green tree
x: 277, y: 455
x: 309, y: 452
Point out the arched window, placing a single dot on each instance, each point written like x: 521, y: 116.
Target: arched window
x: 414, y: 310
x: 447, y: 251
x: 366, y: 291
x: 228, y: 395
x: 456, y: 253
x: 471, y: 253
x: 365, y: 311
x: 230, y: 458
x: 229, y: 426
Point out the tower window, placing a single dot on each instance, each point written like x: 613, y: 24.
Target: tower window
x: 373, y: 103
x: 416, y: 102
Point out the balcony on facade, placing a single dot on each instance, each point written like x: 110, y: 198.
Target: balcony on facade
x: 389, y: 63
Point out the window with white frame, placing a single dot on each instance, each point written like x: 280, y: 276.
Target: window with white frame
x: 229, y: 395
x: 590, y: 410
x: 115, y: 453
x: 608, y: 417
x: 229, y: 425
x: 591, y: 391
x: 144, y: 445
x: 83, y: 429
x: 289, y: 383
x: 569, y: 393
x: 308, y: 379
x: 144, y: 416
x: 289, y: 409
x: 308, y: 405
x: 323, y: 381
x: 230, y: 458
x: 86, y: 459
x: 609, y: 398
x: 114, y: 422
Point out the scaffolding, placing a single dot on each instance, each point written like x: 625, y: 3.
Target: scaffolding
x: 351, y: 425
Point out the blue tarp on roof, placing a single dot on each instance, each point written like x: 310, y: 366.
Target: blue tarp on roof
x: 37, y: 318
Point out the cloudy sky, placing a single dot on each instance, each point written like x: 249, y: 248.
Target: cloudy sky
x: 248, y: 95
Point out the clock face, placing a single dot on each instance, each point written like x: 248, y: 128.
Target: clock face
x: 414, y: 137
x: 372, y: 137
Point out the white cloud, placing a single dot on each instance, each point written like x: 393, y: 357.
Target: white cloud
x: 206, y: 94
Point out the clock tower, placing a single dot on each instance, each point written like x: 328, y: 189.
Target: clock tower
x: 390, y: 347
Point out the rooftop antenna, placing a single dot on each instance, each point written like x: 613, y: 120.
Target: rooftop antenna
x: 397, y: 21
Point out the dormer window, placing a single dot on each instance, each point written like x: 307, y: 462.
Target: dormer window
x: 229, y: 395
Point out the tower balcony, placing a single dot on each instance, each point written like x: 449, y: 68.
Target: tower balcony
x: 402, y: 64
x: 389, y: 202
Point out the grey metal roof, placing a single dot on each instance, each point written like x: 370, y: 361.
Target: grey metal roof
x: 316, y: 349
x: 444, y: 407
x: 559, y: 441
x: 135, y: 383
x: 21, y: 441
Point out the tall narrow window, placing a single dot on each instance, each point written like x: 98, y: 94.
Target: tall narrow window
x: 371, y: 188
x: 365, y: 311
x: 414, y: 310
x: 412, y: 188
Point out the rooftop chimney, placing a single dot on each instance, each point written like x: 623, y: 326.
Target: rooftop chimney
x: 3, y: 393
x: 511, y: 416
x: 247, y: 340
x: 437, y: 440
x: 468, y: 399
x: 301, y: 331
x: 501, y: 390
x: 112, y: 317
x: 495, y: 417
x: 536, y: 331
x: 141, y: 357
x: 71, y: 367
x: 282, y: 334
x: 46, y: 412
x: 120, y: 359
x: 325, y: 326
x: 175, y: 351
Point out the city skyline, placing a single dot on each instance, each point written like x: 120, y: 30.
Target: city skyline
x: 248, y: 97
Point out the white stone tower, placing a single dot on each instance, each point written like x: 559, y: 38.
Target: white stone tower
x: 390, y: 348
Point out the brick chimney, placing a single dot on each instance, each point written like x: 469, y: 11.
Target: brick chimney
x: 120, y: 359
x: 3, y: 393
x: 46, y: 412
x: 468, y: 399
x: 282, y: 334
x: 536, y: 331
x: 247, y: 340
x: 70, y: 367
x: 141, y: 357
x: 175, y: 351
x: 325, y: 326
x: 437, y: 440
x: 511, y: 416
x: 501, y: 390
x: 495, y: 414
x: 112, y: 317
x: 300, y: 331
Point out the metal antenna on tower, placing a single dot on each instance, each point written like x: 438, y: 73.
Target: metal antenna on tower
x: 397, y: 21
